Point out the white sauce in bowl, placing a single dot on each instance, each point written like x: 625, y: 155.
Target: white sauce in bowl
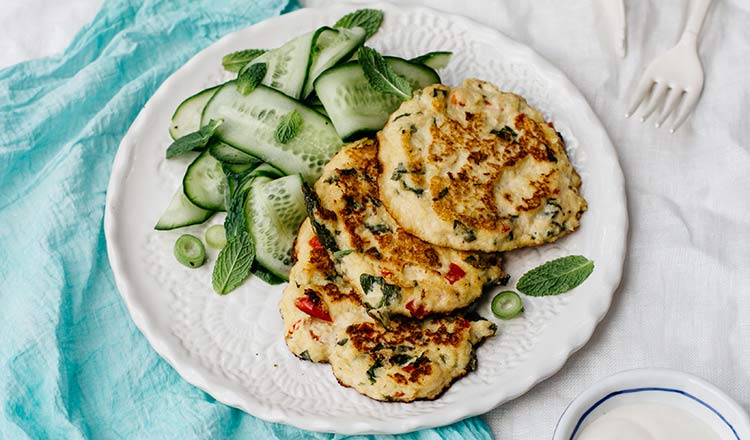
x: 647, y: 421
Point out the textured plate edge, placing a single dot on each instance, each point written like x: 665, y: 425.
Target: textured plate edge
x: 481, y: 404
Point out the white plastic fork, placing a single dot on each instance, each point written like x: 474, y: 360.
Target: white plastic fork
x: 673, y: 81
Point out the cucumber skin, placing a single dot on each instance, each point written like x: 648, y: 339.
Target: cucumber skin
x: 177, y: 132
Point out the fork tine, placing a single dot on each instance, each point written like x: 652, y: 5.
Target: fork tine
x: 673, y: 100
x: 657, y: 97
x: 684, y: 110
x: 644, y: 85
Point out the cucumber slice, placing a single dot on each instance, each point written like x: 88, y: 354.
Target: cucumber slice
x: 250, y: 122
x: 436, y: 60
x: 181, y: 212
x: 230, y: 155
x: 187, y: 118
x: 205, y: 183
x: 356, y: 107
x: 288, y: 64
x: 332, y: 46
x: 274, y: 210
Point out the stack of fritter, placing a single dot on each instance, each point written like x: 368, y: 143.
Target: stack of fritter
x: 404, y: 234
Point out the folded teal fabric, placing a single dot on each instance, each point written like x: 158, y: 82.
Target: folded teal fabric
x: 73, y: 365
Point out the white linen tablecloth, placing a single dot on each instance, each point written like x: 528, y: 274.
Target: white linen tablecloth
x: 684, y: 301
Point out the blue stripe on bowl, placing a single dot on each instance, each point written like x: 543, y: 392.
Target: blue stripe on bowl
x: 637, y: 390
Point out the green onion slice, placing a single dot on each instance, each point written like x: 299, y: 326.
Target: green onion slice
x: 507, y: 305
x: 189, y: 251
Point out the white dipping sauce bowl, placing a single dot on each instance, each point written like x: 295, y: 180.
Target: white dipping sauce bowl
x: 659, y: 386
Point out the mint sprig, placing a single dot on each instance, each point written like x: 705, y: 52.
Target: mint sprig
x: 381, y: 76
x: 193, y: 141
x: 233, y: 264
x: 289, y: 126
x: 249, y: 79
x: 556, y: 276
x: 235, y: 222
x: 235, y: 61
x: 368, y: 19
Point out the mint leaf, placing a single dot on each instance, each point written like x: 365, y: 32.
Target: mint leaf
x: 233, y: 264
x: 193, y: 141
x: 288, y: 127
x: 235, y: 61
x: 235, y: 222
x: 380, y: 75
x: 368, y: 19
x: 238, y: 183
x: 556, y: 276
x: 249, y: 79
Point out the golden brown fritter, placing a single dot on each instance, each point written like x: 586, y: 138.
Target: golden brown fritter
x: 324, y: 321
x: 474, y: 168
x: 393, y: 271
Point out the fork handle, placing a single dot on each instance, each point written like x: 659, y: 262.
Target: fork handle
x: 695, y: 18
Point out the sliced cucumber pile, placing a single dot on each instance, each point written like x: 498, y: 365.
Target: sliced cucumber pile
x: 250, y: 122
x: 260, y: 144
x: 274, y: 210
x: 356, y: 107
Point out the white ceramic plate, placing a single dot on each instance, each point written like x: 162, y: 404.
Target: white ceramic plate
x: 232, y: 347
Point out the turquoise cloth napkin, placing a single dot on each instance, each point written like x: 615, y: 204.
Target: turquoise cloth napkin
x: 73, y: 365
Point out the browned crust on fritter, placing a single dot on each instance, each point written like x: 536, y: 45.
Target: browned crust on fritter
x: 366, y: 336
x: 472, y: 199
x: 362, y: 198
x: 384, y: 346
x: 402, y: 380
x: 408, y: 338
x: 481, y: 166
x: 320, y: 260
x: 348, y: 192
